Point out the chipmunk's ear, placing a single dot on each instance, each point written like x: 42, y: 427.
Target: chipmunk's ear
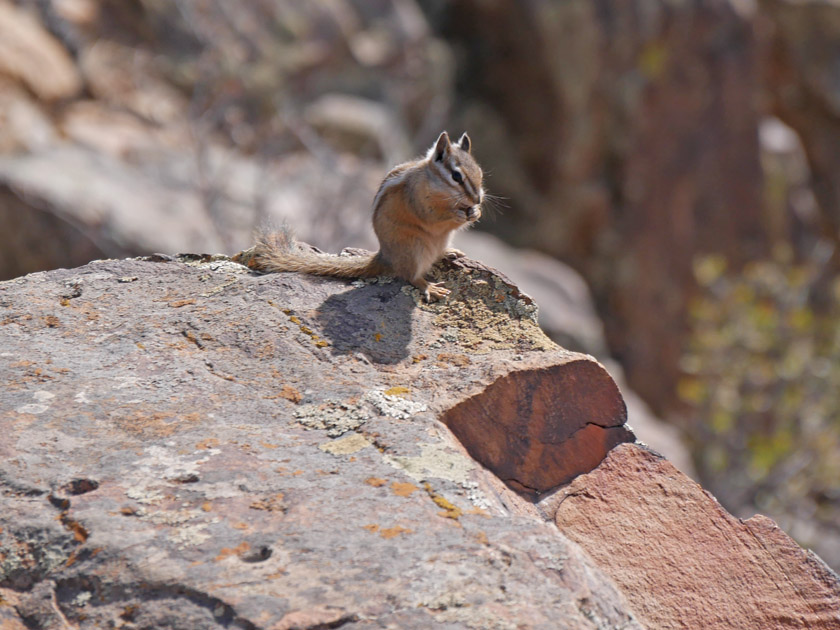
x: 464, y: 142
x: 442, y: 146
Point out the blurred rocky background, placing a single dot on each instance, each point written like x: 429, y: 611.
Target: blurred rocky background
x: 681, y: 156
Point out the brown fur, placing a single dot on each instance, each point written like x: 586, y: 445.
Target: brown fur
x: 416, y: 209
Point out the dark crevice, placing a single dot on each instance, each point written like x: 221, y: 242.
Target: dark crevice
x: 338, y: 623
x: 30, y: 621
x: 521, y: 487
x: 593, y: 424
x: 80, y: 486
x: 138, y: 596
x: 261, y: 554
x: 19, y: 489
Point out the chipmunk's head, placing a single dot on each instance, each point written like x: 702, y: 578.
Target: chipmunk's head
x: 458, y: 175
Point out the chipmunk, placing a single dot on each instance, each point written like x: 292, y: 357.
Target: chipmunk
x: 415, y: 211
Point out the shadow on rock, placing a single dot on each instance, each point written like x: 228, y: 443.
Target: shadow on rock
x: 374, y: 320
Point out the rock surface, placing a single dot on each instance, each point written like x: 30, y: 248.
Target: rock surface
x: 628, y: 146
x: 187, y: 444
x: 190, y: 445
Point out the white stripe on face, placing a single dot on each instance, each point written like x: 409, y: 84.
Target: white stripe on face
x: 441, y: 169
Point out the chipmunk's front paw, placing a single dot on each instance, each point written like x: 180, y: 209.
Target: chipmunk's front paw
x: 452, y: 254
x: 435, y: 291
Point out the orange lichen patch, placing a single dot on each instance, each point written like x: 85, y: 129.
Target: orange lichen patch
x: 482, y: 538
x: 147, y: 425
x: 207, y: 506
x: 208, y: 443
x: 403, y: 489
x: 419, y: 357
x: 270, y: 504
x: 393, y: 532
x: 227, y: 552
x: 86, y: 308
x: 71, y: 560
x: 377, y: 337
x: 129, y: 612
x: 51, y: 321
x: 240, y: 525
x: 306, y: 330
x: 15, y: 319
x: 397, y: 391
x: 180, y: 303
x: 80, y: 534
x: 128, y: 510
x: 372, y: 528
x: 265, y: 351
x: 157, y: 424
x: 291, y: 394
x: 477, y: 511
x: 449, y: 510
x: 189, y: 335
x: 376, y: 482
x: 458, y: 360
x: 180, y: 344
x: 269, y: 445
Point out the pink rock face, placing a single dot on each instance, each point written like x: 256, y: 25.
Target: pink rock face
x: 682, y: 560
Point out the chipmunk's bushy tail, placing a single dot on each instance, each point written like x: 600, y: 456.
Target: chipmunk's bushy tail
x: 277, y: 252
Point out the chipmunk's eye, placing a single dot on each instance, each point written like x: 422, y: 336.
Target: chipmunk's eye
x: 457, y: 176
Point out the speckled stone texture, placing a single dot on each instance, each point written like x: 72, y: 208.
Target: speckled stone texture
x: 186, y: 444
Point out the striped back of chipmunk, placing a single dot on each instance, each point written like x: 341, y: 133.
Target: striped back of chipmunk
x: 395, y: 178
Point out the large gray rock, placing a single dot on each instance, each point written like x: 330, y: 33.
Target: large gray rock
x: 193, y: 446
x: 188, y: 445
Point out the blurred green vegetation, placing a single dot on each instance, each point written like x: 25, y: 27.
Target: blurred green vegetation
x: 762, y: 376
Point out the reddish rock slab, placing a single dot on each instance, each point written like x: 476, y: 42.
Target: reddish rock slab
x: 682, y: 560
x: 537, y: 429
